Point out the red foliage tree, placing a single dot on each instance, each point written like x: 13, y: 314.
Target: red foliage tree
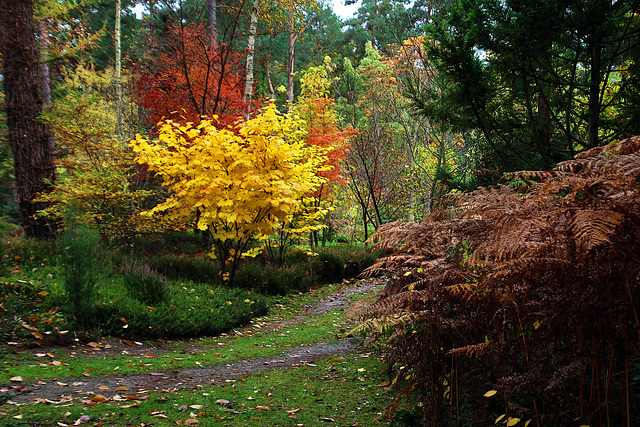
x: 191, y: 77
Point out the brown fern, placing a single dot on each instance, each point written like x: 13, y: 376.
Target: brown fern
x: 546, y: 277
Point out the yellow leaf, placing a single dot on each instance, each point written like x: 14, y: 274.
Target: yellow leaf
x: 500, y: 418
x: 490, y: 393
x: 411, y: 287
x: 536, y: 324
x: 512, y: 421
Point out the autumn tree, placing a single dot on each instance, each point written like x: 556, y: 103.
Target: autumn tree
x: 98, y: 183
x: 29, y: 138
x: 384, y: 157
x: 237, y: 184
x: 188, y: 78
x: 317, y: 108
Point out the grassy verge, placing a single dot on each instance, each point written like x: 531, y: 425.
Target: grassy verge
x: 210, y: 351
x: 345, y: 391
x: 348, y: 390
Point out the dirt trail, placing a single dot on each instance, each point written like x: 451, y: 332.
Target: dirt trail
x: 191, y: 378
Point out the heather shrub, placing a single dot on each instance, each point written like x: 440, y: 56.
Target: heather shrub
x: 188, y: 309
x: 143, y: 283
x: 274, y: 280
x: 196, y: 268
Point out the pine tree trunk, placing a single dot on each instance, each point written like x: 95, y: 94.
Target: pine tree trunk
x: 29, y: 139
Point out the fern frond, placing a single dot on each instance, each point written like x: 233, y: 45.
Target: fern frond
x: 471, y: 350
x: 382, y: 324
x: 467, y: 289
x: 592, y: 228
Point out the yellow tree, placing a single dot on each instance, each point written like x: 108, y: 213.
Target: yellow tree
x: 240, y: 184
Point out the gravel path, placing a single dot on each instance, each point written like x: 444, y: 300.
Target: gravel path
x: 116, y: 387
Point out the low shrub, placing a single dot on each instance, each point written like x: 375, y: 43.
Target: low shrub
x: 23, y: 253
x: 143, y: 283
x: 328, y: 267
x: 338, y: 262
x: 195, y: 268
x: 189, y: 309
x: 275, y: 280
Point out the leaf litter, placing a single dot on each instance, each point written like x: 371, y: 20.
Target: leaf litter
x: 112, y: 386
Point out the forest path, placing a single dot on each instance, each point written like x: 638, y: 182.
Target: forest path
x: 136, y: 386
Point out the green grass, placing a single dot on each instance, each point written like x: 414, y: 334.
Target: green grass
x: 230, y: 347
x: 348, y: 390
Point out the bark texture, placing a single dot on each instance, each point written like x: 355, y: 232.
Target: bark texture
x: 29, y: 139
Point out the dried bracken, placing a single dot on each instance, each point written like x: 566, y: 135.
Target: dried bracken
x: 530, y: 289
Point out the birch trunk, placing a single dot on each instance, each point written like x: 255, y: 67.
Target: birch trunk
x: 118, y: 67
x: 251, y: 45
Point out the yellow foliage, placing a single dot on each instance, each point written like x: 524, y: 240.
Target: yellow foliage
x: 239, y: 184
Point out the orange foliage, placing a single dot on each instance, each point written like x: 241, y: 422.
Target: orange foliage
x: 188, y: 79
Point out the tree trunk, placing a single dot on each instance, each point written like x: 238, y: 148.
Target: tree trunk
x: 251, y: 44
x: 118, y: 67
x: 29, y: 139
x: 290, y: 68
x: 46, y: 81
x: 212, y: 21
x: 594, y: 93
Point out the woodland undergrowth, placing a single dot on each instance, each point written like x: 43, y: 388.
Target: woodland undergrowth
x: 520, y: 302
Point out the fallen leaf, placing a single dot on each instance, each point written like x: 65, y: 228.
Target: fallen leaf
x: 16, y: 379
x: 127, y: 342
x: 103, y: 387
x: 98, y: 398
x: 37, y: 335
x: 222, y: 402
x: 328, y: 420
x: 262, y: 408
x: 383, y: 384
x: 191, y: 421
x: 183, y: 408
x: 122, y: 388
x: 196, y: 406
x: 60, y: 383
x: 86, y: 374
x: 83, y: 419
x: 132, y: 397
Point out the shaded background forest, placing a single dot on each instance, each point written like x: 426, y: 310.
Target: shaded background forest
x: 443, y: 95
x: 488, y: 144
